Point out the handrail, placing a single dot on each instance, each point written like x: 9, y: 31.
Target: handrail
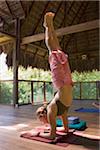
x: 97, y: 92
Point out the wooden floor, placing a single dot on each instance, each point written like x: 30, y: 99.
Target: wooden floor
x: 15, y: 120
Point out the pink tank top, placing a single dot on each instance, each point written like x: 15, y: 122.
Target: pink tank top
x: 60, y: 70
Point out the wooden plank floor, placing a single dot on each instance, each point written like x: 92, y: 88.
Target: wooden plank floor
x: 15, y: 120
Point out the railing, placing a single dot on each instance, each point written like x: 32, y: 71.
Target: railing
x: 36, y: 92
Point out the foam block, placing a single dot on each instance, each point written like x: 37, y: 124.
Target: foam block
x: 81, y: 125
x: 73, y: 120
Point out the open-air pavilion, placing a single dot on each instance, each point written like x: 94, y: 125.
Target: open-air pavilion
x: 22, y: 39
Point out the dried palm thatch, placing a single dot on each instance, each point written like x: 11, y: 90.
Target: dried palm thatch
x: 82, y: 46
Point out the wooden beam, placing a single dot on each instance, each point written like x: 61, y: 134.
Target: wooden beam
x: 5, y: 42
x: 64, y: 31
x: 6, y: 34
x: 6, y: 38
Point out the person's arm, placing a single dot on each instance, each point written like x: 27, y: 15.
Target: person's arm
x: 65, y: 121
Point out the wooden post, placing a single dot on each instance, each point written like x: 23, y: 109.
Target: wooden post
x: 16, y: 63
x: 44, y: 91
x: 80, y: 90
x: 97, y: 90
x: 32, y: 95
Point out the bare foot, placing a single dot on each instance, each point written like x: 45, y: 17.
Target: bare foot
x: 48, y: 18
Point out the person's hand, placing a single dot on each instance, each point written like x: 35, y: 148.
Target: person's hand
x: 48, y: 18
x: 62, y: 129
x: 34, y: 132
x: 47, y: 135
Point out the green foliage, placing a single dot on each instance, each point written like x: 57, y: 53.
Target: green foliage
x: 76, y: 91
x: 6, y: 93
x: 88, y: 89
x: 34, y: 74
x: 41, y: 75
x: 24, y: 92
x: 86, y: 76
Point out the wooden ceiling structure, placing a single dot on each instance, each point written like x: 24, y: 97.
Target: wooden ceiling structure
x: 76, y: 24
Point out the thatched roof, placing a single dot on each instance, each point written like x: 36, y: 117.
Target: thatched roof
x: 82, y: 46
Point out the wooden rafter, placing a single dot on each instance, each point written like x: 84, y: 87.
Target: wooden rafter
x: 10, y: 11
x: 73, y: 20
x: 5, y: 12
x: 26, y: 8
x: 79, y: 22
x: 65, y: 9
x: 30, y: 9
x: 38, y: 21
x: 22, y: 7
x: 65, y: 16
x: 58, y: 9
x: 67, y: 12
x: 64, y: 31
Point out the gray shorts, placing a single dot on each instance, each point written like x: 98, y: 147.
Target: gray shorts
x: 61, y: 108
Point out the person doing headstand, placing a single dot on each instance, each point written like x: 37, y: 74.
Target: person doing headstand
x: 61, y: 78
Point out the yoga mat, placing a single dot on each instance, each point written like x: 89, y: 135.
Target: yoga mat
x: 85, y: 135
x: 90, y: 110
x: 61, y: 140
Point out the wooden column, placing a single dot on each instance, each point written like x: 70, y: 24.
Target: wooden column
x: 44, y: 89
x: 16, y: 63
x: 32, y: 95
x: 80, y: 90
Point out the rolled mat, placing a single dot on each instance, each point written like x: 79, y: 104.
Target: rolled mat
x: 90, y: 110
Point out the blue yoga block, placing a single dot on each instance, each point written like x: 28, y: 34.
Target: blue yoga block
x: 73, y: 120
x: 81, y: 125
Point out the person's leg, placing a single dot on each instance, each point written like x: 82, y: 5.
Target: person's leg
x: 65, y: 95
x: 51, y: 39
